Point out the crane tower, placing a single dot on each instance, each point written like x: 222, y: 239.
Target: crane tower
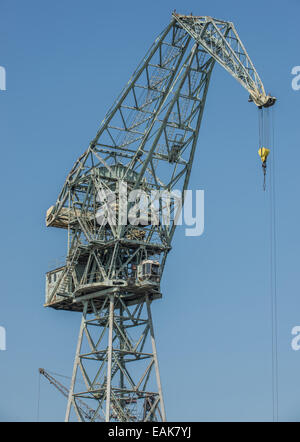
x: 145, y: 146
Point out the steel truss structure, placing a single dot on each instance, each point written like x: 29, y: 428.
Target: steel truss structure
x: 134, y: 397
x: 146, y: 142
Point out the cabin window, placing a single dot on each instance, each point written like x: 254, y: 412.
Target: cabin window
x: 155, y: 269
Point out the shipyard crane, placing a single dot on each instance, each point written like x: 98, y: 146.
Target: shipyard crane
x: 146, y: 143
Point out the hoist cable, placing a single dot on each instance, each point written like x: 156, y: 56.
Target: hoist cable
x: 273, y: 276
x: 38, y: 399
x: 58, y: 374
x: 260, y: 114
x: 267, y: 140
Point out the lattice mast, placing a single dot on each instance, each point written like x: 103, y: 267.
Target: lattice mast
x: 113, y: 270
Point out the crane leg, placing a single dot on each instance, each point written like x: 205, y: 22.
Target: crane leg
x: 117, y: 360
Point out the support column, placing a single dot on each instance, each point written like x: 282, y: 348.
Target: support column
x: 117, y: 357
x: 162, y: 404
x: 109, y: 357
x: 75, y: 367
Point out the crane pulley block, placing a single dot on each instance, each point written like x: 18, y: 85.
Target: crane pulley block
x: 263, y: 152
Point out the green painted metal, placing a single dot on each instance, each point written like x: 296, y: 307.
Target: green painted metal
x: 147, y: 140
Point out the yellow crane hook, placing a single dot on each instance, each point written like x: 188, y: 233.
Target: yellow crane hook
x: 263, y: 152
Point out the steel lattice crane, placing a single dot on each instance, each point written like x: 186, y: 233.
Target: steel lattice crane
x: 113, y: 269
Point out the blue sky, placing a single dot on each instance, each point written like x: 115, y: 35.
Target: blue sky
x: 66, y: 62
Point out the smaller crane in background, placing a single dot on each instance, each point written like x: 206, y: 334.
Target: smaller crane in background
x: 88, y: 413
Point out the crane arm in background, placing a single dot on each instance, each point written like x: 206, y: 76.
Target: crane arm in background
x: 87, y: 412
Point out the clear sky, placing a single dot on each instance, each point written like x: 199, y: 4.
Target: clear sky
x: 66, y: 61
